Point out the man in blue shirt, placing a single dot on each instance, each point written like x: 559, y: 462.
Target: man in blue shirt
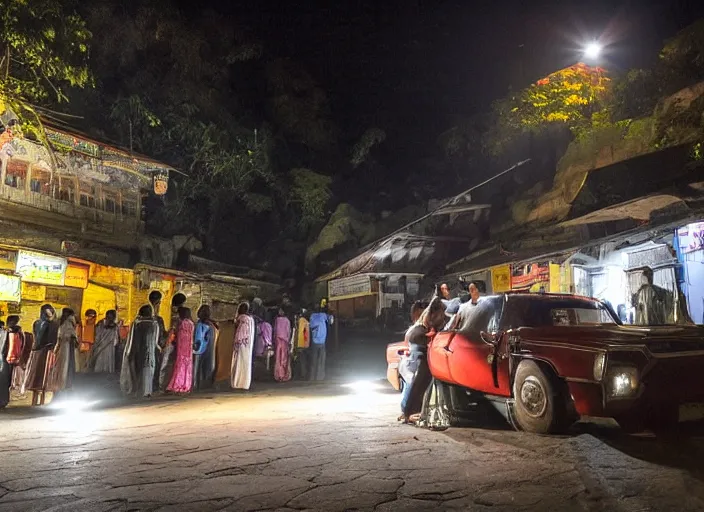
x: 318, y: 335
x: 204, y: 350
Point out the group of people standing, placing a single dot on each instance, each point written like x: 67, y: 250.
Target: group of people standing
x: 427, y: 320
x: 46, y: 359
x: 150, y: 358
x: 178, y: 360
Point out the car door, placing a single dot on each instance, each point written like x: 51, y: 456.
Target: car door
x: 439, y: 354
x: 475, y: 352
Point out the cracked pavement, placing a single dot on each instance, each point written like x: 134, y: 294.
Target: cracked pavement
x: 325, y: 447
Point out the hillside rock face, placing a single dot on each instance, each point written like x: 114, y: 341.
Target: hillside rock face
x: 677, y: 119
x: 348, y: 230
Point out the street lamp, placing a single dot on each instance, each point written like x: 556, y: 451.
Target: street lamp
x: 592, y: 51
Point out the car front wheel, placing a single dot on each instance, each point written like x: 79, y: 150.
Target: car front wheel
x: 539, y: 407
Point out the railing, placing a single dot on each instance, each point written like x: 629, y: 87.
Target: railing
x: 99, y: 220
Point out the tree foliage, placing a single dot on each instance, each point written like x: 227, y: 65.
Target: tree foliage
x: 179, y: 87
x: 635, y: 94
x: 569, y: 96
x: 566, y: 98
x: 172, y: 98
x: 683, y: 55
x: 43, y: 50
x: 299, y: 106
x: 370, y: 138
x: 310, y: 192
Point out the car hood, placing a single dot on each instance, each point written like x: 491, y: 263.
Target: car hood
x: 661, y: 338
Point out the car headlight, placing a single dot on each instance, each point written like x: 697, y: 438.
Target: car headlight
x: 599, y: 362
x: 622, y: 381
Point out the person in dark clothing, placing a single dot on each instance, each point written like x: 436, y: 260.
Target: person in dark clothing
x: 417, y: 309
x: 139, y: 359
x: 417, y: 337
x: 165, y: 352
x: 45, y: 331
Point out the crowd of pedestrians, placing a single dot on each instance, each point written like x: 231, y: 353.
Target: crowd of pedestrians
x: 426, y: 321
x: 151, y: 358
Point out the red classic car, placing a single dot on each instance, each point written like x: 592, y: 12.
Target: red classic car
x: 547, y: 360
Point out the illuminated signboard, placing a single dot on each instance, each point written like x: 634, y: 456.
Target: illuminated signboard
x: 349, y: 287
x: 691, y: 237
x: 10, y: 288
x: 501, y: 279
x: 39, y: 268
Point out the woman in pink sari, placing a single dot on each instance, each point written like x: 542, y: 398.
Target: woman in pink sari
x: 182, y: 377
x: 282, y: 346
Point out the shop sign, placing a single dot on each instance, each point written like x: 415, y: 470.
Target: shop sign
x: 40, y: 268
x: 10, y: 288
x: 501, y: 279
x: 8, y: 259
x: 532, y: 277
x: 691, y: 237
x: 349, y: 287
x: 555, y: 278
x: 76, y: 276
x: 33, y: 292
x: 161, y: 182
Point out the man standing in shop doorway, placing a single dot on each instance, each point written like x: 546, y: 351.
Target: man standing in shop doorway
x: 86, y: 335
x: 653, y: 304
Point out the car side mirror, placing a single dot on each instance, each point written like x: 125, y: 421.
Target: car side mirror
x: 487, y: 338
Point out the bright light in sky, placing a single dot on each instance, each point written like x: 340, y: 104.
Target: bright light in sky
x: 592, y: 50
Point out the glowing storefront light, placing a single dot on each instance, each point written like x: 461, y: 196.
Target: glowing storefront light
x: 10, y: 288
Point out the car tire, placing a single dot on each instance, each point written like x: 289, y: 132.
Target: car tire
x: 539, y: 406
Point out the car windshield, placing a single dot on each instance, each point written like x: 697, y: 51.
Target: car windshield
x: 537, y: 311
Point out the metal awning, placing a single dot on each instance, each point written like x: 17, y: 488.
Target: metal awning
x: 454, y: 228
x: 638, y: 209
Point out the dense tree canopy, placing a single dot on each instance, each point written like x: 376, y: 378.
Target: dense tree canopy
x: 245, y: 155
x: 43, y: 49
x: 263, y: 156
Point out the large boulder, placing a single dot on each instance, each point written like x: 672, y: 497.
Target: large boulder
x: 346, y: 228
x: 678, y: 119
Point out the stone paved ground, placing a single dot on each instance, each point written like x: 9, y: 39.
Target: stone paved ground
x: 324, y: 448
x: 301, y: 447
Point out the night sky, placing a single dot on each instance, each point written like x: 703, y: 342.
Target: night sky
x: 414, y: 67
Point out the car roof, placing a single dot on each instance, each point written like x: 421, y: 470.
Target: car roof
x: 548, y: 296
